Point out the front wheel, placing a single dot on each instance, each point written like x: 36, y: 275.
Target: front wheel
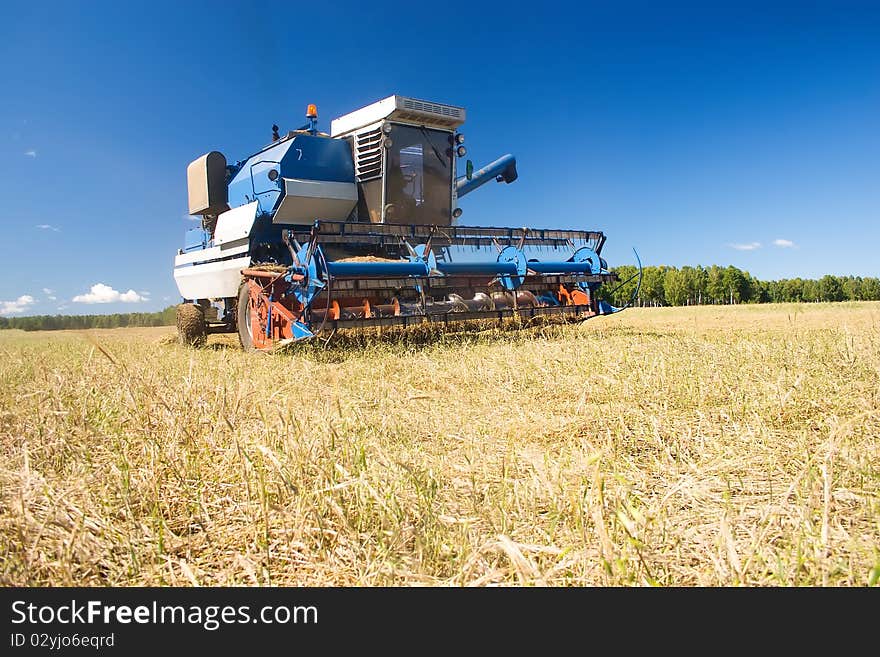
x: 243, y: 318
x: 191, y: 330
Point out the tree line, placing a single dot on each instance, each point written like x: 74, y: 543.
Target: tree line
x: 671, y: 286
x: 166, y: 317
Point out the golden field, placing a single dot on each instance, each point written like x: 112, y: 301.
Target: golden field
x: 701, y: 446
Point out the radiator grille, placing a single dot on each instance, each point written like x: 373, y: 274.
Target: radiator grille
x: 368, y: 155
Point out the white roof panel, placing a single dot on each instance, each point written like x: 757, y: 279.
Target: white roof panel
x: 403, y: 109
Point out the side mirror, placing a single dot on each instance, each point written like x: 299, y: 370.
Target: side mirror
x: 469, y: 170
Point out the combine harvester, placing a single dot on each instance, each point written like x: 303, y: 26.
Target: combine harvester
x: 357, y: 228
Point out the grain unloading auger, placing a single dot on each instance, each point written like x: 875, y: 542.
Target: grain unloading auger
x: 319, y: 232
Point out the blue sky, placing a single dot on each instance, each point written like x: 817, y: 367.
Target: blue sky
x: 744, y: 134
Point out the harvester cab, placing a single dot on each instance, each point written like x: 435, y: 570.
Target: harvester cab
x: 316, y: 232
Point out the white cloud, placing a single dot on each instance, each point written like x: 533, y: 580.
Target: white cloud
x: 749, y: 246
x: 31, y: 153
x: 785, y: 244
x: 62, y: 306
x: 17, y: 306
x: 48, y: 227
x: 131, y: 297
x: 101, y: 293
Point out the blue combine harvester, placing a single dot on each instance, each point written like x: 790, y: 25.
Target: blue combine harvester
x: 356, y: 228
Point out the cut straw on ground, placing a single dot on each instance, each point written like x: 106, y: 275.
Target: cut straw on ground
x: 703, y: 446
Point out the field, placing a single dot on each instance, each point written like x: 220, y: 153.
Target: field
x: 703, y: 446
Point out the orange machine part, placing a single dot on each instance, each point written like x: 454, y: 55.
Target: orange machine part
x: 392, y: 308
x: 564, y: 296
x: 282, y: 316
x: 333, y: 312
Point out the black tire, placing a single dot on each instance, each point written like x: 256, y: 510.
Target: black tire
x: 243, y: 319
x: 191, y: 325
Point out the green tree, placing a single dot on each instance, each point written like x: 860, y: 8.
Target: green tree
x: 871, y: 289
x: 715, y: 287
x: 830, y: 288
x: 675, y: 288
x: 810, y: 290
x: 852, y: 288
x: 622, y: 290
x: 793, y: 290
x: 652, y: 286
x: 736, y: 286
